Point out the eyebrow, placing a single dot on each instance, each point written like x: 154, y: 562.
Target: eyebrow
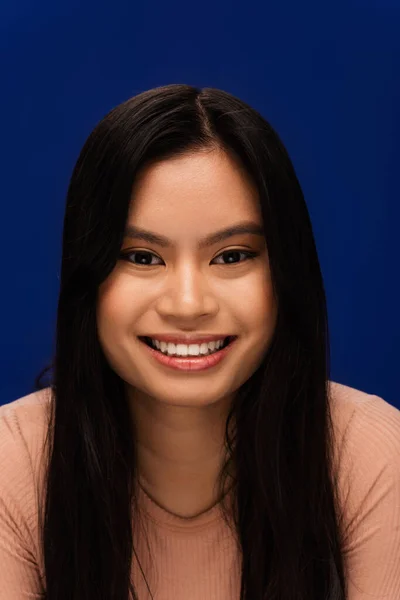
x: 245, y: 227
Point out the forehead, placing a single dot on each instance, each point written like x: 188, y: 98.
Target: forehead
x: 193, y: 193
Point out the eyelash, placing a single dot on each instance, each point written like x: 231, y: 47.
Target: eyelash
x: 249, y: 256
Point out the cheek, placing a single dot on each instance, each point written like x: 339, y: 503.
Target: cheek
x: 114, y: 326
x: 263, y: 323
x: 256, y: 305
x: 115, y: 307
x: 110, y: 312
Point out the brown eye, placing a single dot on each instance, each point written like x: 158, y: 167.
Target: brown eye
x: 142, y: 258
x: 233, y: 256
x: 145, y: 258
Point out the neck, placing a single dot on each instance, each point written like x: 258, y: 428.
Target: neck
x: 180, y: 452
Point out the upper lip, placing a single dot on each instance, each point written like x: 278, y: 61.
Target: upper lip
x: 188, y: 338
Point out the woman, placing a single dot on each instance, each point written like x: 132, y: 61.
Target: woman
x: 190, y: 444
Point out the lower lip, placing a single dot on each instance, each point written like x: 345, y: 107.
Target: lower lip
x: 193, y: 363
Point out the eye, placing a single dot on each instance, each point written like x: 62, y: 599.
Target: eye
x: 143, y: 258
x: 233, y: 256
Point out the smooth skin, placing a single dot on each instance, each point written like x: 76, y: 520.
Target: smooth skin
x: 185, y: 287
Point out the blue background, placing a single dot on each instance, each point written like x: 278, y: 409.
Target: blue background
x: 325, y: 75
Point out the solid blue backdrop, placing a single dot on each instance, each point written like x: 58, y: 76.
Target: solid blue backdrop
x: 326, y: 77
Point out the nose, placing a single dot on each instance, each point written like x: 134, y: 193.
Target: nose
x: 187, y: 296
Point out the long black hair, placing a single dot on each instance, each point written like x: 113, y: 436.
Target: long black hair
x: 286, y: 513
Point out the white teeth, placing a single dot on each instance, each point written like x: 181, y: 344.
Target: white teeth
x: 187, y: 350
x: 182, y: 349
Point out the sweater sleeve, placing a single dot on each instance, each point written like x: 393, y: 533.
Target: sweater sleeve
x: 19, y: 571
x: 372, y: 502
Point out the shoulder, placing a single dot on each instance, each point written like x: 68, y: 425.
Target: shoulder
x: 367, y: 430
x: 29, y: 410
x: 26, y: 415
x: 23, y: 429
x: 366, y: 436
x: 365, y: 424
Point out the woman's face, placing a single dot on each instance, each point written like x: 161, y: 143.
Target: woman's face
x: 183, y: 287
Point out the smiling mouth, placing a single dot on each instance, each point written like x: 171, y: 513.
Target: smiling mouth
x: 182, y: 350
